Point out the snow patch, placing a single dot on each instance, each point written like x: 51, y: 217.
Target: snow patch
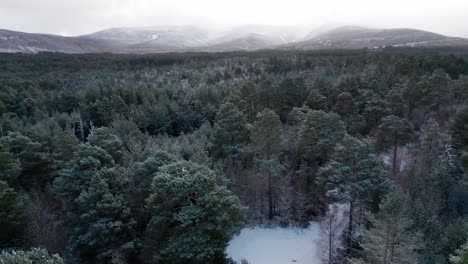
x: 282, y: 245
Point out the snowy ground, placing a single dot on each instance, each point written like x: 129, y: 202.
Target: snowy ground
x: 281, y: 245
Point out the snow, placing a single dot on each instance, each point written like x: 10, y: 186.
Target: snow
x: 282, y: 245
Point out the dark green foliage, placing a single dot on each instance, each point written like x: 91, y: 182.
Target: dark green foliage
x: 354, y: 175
x: 93, y: 188
x: 11, y: 216
x: 319, y: 134
x: 266, y: 137
x: 134, y: 114
x: 103, y: 138
x: 316, y: 101
x: 459, y: 130
x: 10, y: 167
x: 34, y: 162
x: 192, y: 218
x: 394, y: 132
x: 230, y: 133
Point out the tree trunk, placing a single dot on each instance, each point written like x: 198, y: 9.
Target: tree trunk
x: 330, y: 239
x: 395, y: 149
x: 270, y: 198
x: 350, y: 228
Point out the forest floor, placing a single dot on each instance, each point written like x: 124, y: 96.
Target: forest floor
x: 260, y: 245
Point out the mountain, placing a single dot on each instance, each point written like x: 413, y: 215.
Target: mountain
x: 13, y: 41
x: 249, y: 42
x: 247, y: 38
x: 352, y: 37
x: 153, y: 39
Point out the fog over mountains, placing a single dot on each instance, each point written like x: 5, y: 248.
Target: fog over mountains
x: 244, y: 38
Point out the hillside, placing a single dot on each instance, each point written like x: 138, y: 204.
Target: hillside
x: 242, y: 38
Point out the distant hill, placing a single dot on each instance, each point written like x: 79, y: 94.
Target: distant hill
x: 12, y: 41
x: 247, y: 38
x: 351, y: 37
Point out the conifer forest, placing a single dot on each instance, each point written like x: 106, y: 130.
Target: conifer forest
x: 165, y: 158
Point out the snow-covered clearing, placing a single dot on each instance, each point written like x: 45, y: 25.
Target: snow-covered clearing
x: 283, y: 245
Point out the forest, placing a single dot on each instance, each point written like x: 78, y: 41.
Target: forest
x: 163, y: 158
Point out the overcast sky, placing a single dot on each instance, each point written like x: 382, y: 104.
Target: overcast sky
x: 75, y: 17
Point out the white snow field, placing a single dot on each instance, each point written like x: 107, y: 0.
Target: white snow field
x: 283, y: 245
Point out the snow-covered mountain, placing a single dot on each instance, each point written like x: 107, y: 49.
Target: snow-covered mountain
x: 13, y: 41
x: 353, y: 37
x: 247, y: 38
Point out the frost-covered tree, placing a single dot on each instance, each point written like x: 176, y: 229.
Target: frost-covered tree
x: 193, y: 219
x: 460, y: 256
x: 32, y: 256
x: 390, y: 240
x: 354, y: 175
x: 92, y: 188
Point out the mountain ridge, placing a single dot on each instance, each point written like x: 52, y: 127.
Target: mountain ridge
x: 242, y: 38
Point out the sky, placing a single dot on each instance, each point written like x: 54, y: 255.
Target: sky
x: 77, y: 17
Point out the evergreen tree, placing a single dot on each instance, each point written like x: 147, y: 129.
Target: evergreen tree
x: 346, y: 108
x: 319, y: 134
x: 460, y: 256
x: 355, y: 175
x: 316, y: 101
x: 389, y: 240
x: 192, y: 218
x: 230, y: 133
x: 103, y: 138
x: 10, y: 168
x: 34, y: 162
x: 394, y: 132
x: 375, y: 109
x: 99, y: 218
x: 12, y: 218
x: 266, y: 137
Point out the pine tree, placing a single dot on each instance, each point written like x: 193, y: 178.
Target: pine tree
x: 394, y: 132
x: 103, y: 138
x: 316, y: 101
x: 389, y: 240
x: 347, y: 109
x: 355, y: 175
x: 266, y: 137
x: 192, y: 218
x: 34, y: 162
x: 92, y: 188
x: 319, y: 134
x: 12, y: 218
x: 460, y: 256
x: 230, y: 134
x: 375, y: 109
x: 10, y: 168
